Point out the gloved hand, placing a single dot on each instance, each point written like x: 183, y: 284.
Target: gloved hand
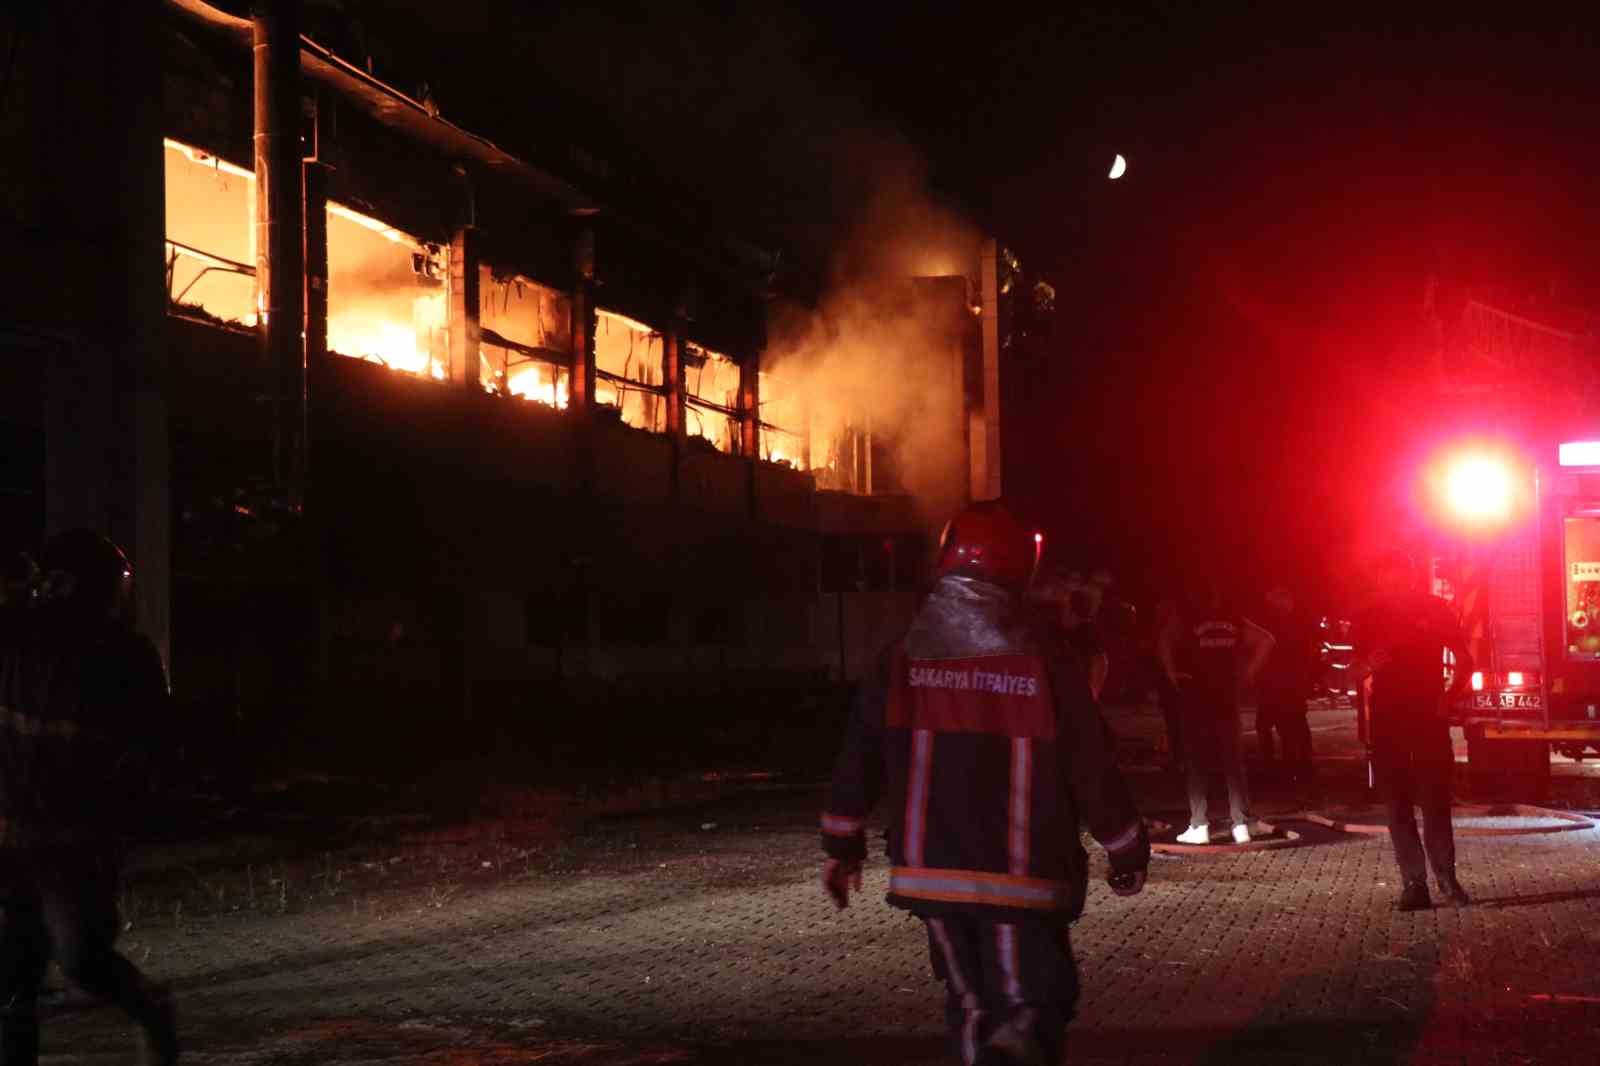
x: 839, y: 878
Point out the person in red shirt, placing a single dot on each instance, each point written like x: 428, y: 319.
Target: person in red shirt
x: 981, y: 732
x: 1400, y: 641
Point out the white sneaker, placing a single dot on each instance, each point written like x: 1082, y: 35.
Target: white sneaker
x: 1241, y: 834
x: 1195, y: 834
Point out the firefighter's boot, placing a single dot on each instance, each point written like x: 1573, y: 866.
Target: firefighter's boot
x: 1414, y: 897
x: 1011, y: 1046
x: 158, y: 1023
x: 1452, y: 891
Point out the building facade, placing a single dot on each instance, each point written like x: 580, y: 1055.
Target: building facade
x: 405, y: 430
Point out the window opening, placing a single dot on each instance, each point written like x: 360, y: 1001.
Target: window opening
x: 387, y: 295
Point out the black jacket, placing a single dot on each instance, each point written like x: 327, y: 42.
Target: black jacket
x: 982, y: 733
x: 79, y: 703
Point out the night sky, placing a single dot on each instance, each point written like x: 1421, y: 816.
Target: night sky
x: 1233, y: 314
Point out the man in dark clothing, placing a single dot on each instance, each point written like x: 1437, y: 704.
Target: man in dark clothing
x: 1165, y: 621
x: 1087, y: 641
x: 1400, y: 642
x: 1209, y: 659
x: 1055, y: 601
x: 79, y: 688
x: 1284, y: 684
x: 981, y: 731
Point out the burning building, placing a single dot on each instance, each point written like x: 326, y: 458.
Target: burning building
x: 433, y: 432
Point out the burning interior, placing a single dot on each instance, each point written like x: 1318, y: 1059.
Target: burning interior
x: 782, y: 428
x: 388, y: 302
x: 526, y: 347
x: 628, y: 379
x: 387, y: 295
x: 711, y: 400
x: 210, y: 207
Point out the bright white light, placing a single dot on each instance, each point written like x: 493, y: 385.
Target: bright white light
x: 1514, y: 679
x: 1477, y: 680
x: 1479, y: 488
x: 1119, y: 167
x: 1580, y: 453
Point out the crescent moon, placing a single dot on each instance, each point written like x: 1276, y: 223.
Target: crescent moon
x: 1119, y: 167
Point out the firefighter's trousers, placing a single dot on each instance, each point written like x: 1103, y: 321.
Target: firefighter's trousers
x: 64, y: 906
x: 1010, y: 988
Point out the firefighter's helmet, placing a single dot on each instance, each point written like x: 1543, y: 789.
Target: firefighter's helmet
x: 986, y: 541
x: 84, y: 570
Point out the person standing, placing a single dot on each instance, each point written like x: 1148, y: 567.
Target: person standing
x: 1209, y: 658
x: 1057, y: 599
x: 1283, y: 687
x: 1165, y: 623
x: 1087, y: 641
x: 980, y: 731
x: 1400, y: 642
x: 82, y: 693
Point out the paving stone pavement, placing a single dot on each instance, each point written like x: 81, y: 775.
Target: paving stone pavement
x: 1283, y: 956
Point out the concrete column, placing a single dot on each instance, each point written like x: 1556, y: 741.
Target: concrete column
x: 316, y: 260
x: 750, y: 406
x: 672, y: 377
x: 464, y: 308
x: 93, y: 283
x: 280, y: 236
x: 988, y: 475
x: 141, y: 514
x: 583, y: 323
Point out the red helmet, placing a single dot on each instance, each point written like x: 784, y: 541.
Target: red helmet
x: 984, y: 540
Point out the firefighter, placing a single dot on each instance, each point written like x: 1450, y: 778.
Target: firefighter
x: 1284, y: 686
x: 1399, y: 642
x: 80, y: 688
x: 1209, y: 658
x: 981, y: 731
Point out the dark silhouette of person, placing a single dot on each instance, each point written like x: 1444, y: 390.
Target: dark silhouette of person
x: 82, y: 692
x: 1283, y: 687
x: 1400, y: 641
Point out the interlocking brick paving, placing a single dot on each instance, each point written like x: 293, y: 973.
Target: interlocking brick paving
x: 714, y: 945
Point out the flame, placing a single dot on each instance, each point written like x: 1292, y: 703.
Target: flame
x: 369, y: 332
x: 539, y: 382
x: 379, y: 308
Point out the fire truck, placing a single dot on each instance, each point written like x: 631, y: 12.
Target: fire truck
x: 1515, y: 541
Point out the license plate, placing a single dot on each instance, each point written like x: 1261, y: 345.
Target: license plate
x: 1508, y: 701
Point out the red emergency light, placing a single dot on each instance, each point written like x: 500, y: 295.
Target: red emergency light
x: 1479, y: 488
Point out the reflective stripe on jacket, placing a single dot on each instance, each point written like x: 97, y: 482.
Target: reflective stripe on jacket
x: 982, y: 733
